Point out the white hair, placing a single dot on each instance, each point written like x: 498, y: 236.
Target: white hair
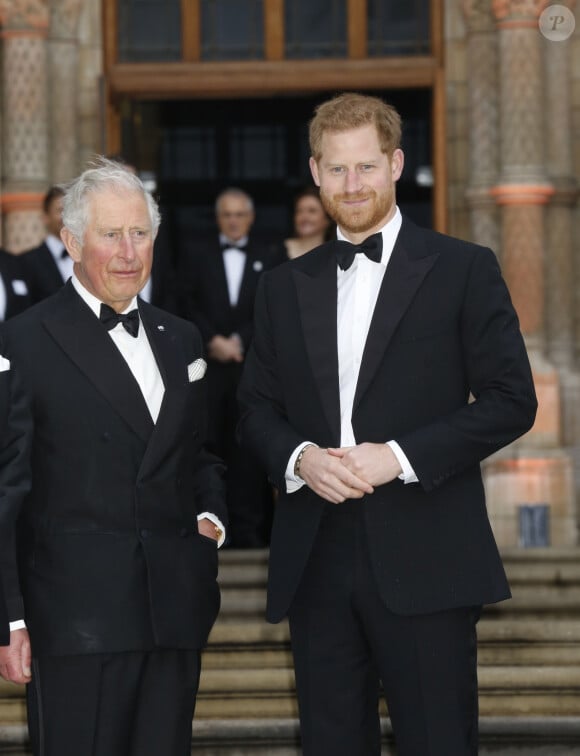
x: 102, y: 174
x: 233, y: 191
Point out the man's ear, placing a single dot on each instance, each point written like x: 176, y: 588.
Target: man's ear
x: 314, y: 171
x: 397, y: 163
x: 71, y: 243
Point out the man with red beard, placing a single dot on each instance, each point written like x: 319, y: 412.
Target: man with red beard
x: 356, y: 397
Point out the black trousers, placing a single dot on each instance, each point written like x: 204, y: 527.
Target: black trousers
x: 346, y: 642
x: 126, y: 704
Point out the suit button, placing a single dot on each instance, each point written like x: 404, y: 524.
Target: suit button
x: 106, y: 436
x: 145, y: 533
x: 184, y: 532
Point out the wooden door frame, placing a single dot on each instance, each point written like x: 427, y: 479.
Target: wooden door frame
x: 193, y: 78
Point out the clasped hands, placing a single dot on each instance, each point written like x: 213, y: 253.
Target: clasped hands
x: 226, y: 348
x: 348, y: 472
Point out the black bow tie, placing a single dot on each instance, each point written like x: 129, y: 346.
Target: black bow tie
x: 110, y: 319
x: 372, y: 247
x: 232, y: 245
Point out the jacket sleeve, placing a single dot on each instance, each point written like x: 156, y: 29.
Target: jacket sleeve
x: 208, y: 469
x: 500, y: 381
x: 264, y: 426
x: 15, y: 477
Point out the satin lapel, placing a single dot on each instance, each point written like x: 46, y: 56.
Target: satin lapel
x: 247, y: 291
x: 86, y: 342
x: 402, y: 279
x: 253, y: 267
x: 216, y: 261
x: 316, y: 290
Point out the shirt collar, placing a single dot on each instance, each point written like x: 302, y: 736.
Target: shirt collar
x: 93, y: 302
x: 233, y: 245
x: 390, y: 231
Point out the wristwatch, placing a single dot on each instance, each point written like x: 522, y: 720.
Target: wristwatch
x: 299, y: 459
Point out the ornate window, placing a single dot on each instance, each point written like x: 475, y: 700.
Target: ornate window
x: 149, y: 30
x: 199, y: 91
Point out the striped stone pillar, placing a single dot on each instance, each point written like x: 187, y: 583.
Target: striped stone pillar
x: 63, y: 65
x: 483, y: 120
x: 536, y: 470
x: 25, y: 138
x: 561, y: 302
x: 562, y: 297
x: 523, y: 189
x: 1, y: 174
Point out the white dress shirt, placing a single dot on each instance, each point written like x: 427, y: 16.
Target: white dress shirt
x: 234, y: 264
x: 357, y: 293
x: 3, y: 299
x: 63, y: 262
x: 147, y: 290
x: 136, y: 351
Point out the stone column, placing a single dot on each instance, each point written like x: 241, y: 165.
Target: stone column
x: 536, y: 470
x: 561, y: 297
x: 523, y: 188
x: 1, y: 174
x: 63, y: 66
x: 483, y: 122
x: 25, y: 136
x: 558, y: 130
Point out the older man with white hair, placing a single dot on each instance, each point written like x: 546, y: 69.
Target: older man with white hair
x: 112, y: 590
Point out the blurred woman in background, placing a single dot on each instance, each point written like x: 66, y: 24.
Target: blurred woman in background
x: 312, y: 226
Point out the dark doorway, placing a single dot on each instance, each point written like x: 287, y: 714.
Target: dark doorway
x: 196, y: 148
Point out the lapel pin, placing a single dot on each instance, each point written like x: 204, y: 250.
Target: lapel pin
x: 160, y: 328
x: 258, y: 265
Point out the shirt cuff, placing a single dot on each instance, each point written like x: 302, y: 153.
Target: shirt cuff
x: 238, y: 338
x: 217, y: 522
x: 294, y: 482
x: 408, y: 474
x: 17, y: 625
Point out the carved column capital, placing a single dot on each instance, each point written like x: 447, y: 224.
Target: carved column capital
x: 520, y: 12
x: 478, y: 15
x: 64, y: 17
x: 24, y: 15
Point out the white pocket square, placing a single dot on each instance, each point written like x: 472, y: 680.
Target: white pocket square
x: 19, y: 287
x: 4, y: 364
x: 196, y: 370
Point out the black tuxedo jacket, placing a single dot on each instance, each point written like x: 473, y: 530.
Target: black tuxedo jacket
x: 163, y: 293
x: 42, y: 273
x: 443, y: 327
x: 204, y: 290
x: 163, y: 279
x: 7, y: 446
x: 15, y: 284
x: 109, y: 554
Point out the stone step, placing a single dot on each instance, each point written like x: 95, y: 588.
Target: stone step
x: 506, y: 642
x: 544, y: 582
x: 524, y: 669
x: 552, y: 566
x: 499, y: 736
x: 528, y: 642
x: 529, y: 661
x: 507, y: 690
x: 526, y: 601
